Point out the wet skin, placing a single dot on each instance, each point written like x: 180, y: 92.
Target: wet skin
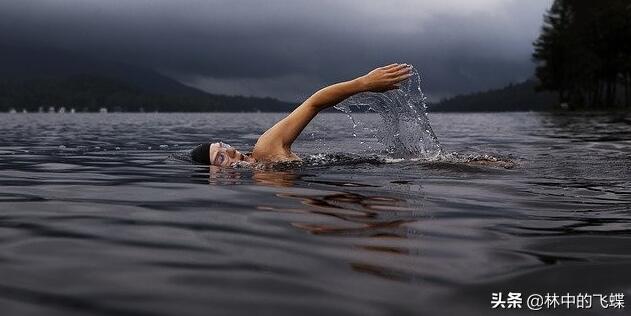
x: 224, y: 155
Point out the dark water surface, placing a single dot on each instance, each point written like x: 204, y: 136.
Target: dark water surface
x: 97, y: 218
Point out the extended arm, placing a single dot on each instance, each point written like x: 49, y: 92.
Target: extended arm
x: 277, y: 140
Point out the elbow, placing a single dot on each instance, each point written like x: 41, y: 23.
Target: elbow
x: 315, y: 105
x: 325, y: 98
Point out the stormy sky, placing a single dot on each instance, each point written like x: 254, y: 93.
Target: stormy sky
x: 289, y: 48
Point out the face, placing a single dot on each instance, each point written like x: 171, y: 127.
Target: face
x: 224, y: 155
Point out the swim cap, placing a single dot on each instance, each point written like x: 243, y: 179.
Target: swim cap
x: 200, y: 154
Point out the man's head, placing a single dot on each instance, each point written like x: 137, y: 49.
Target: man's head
x: 218, y: 154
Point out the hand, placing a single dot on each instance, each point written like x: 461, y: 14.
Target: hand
x: 385, y: 78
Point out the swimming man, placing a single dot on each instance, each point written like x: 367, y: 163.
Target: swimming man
x: 275, y: 144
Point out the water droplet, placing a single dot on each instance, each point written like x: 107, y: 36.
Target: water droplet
x: 405, y: 128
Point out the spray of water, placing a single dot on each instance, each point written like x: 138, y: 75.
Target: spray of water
x: 405, y: 132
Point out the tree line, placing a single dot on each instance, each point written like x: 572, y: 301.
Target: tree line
x: 89, y: 93
x: 513, y: 97
x: 584, y: 53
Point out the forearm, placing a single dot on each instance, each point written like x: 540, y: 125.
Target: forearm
x: 287, y: 130
x: 334, y: 94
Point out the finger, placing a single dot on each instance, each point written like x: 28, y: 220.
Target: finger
x: 388, y: 67
x: 397, y: 68
x: 402, y: 77
x: 401, y: 72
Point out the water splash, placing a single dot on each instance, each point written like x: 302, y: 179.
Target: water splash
x: 406, y: 131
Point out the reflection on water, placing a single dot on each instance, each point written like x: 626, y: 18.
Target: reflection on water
x: 221, y: 176
x: 89, y: 229
x: 275, y: 178
x: 352, y: 215
x: 376, y: 216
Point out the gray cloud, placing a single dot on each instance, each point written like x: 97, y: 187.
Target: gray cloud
x: 288, y: 48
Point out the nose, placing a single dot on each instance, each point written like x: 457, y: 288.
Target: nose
x: 231, y: 152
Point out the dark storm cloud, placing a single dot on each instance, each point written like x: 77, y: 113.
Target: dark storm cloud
x: 288, y: 48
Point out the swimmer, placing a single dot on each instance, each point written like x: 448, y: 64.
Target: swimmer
x: 275, y: 144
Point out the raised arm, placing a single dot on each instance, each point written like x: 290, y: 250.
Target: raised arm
x: 276, y: 142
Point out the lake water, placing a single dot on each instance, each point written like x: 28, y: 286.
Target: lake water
x: 99, y: 217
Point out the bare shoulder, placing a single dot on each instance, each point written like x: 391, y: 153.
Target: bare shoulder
x: 269, y: 149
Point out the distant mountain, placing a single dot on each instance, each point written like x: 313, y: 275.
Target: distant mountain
x: 28, y: 63
x: 32, y: 77
x: 514, y: 97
